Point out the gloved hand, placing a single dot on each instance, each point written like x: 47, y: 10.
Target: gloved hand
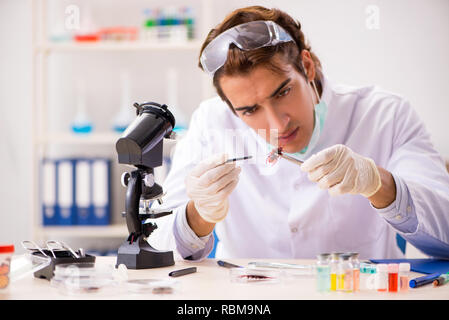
x: 209, y: 184
x: 341, y: 170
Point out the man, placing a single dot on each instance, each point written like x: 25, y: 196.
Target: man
x: 369, y: 172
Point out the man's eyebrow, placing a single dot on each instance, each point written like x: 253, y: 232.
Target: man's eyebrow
x: 271, y: 96
x: 280, y: 87
x: 245, y: 108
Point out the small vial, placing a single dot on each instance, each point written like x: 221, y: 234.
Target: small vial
x: 367, y: 276
x: 323, y: 272
x: 382, y: 277
x: 404, y: 271
x: 393, y: 279
x: 334, y: 269
x: 355, y: 271
x: 345, y: 273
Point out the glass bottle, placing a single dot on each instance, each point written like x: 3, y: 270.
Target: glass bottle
x: 345, y: 273
x: 367, y: 276
x: 323, y: 272
x: 404, y: 271
x: 382, y: 277
x: 333, y: 270
x: 393, y: 279
x: 355, y: 271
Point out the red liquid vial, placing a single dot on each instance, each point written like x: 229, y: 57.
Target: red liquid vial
x: 393, y: 279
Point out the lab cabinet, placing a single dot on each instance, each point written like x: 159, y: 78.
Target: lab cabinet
x: 96, y: 77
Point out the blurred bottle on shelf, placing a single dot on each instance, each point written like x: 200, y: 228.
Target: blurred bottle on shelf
x: 118, y: 33
x: 189, y: 22
x: 163, y: 24
x: 126, y: 113
x: 81, y: 124
x: 168, y: 24
x: 88, y: 31
x: 149, y: 31
x: 59, y: 29
x: 177, y: 28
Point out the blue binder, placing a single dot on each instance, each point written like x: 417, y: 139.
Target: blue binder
x: 83, y: 191
x: 48, y: 192
x: 65, y: 208
x: 101, y: 191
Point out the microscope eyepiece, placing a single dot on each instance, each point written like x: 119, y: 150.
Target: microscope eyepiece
x: 141, y: 143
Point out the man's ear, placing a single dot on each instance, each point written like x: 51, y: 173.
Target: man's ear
x: 308, y: 65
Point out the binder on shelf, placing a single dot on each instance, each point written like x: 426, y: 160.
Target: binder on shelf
x: 65, y: 205
x: 48, y: 192
x: 83, y: 192
x: 101, y: 195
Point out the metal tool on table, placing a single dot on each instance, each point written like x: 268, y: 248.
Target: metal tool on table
x: 60, y: 246
x: 59, y: 253
x: 33, y: 248
x: 141, y: 145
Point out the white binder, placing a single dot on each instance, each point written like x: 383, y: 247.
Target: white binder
x: 48, y: 193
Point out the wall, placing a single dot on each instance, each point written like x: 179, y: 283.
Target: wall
x: 15, y: 121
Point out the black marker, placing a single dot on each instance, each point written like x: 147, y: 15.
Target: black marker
x: 182, y: 272
x: 225, y: 264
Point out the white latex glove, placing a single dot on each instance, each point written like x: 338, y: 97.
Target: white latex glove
x: 209, y: 184
x: 341, y: 170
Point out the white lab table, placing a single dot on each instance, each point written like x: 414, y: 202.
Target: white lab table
x: 212, y: 282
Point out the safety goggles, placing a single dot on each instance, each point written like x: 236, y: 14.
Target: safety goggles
x: 247, y: 36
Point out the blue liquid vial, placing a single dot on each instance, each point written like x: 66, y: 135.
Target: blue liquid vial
x: 323, y: 275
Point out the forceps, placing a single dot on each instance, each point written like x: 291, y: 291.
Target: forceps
x: 291, y: 159
x: 61, y: 245
x: 274, y: 155
x: 35, y: 247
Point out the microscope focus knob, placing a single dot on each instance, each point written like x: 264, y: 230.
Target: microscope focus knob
x: 125, y: 178
x: 149, y: 180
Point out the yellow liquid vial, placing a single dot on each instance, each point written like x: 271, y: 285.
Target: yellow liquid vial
x: 341, y: 282
x: 333, y: 281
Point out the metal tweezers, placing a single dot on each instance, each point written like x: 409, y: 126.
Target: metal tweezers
x: 291, y: 159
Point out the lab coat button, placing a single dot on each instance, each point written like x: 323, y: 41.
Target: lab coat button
x: 294, y: 230
x: 398, y: 217
x: 409, y: 209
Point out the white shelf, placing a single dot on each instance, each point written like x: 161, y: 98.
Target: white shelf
x: 92, y: 139
x: 119, y: 46
x: 42, y: 138
x: 101, y: 232
x: 79, y: 139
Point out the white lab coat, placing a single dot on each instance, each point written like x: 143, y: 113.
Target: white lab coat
x: 276, y: 212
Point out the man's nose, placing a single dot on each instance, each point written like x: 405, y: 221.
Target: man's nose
x: 278, y: 120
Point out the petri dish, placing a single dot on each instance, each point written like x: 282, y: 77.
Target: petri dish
x: 79, y: 278
x: 26, y: 264
x: 154, y: 286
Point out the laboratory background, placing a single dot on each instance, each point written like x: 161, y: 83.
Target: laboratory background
x: 70, y: 72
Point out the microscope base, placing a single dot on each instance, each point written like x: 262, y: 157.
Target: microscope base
x: 140, y: 255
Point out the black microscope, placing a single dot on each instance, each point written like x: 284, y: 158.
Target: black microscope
x: 141, y: 145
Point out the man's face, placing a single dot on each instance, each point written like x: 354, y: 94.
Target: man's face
x: 280, y: 103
